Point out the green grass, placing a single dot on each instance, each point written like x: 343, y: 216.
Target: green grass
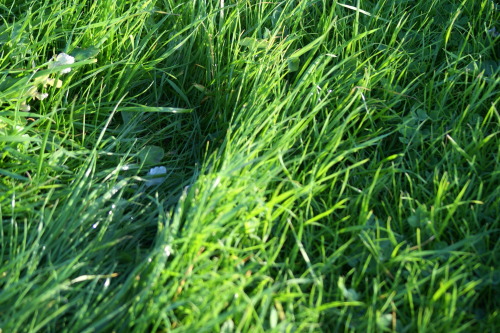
x: 331, y: 166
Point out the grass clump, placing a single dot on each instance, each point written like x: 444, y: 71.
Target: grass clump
x: 249, y: 166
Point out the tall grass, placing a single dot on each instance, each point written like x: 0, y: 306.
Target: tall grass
x: 331, y: 166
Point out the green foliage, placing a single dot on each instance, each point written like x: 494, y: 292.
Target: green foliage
x: 331, y: 166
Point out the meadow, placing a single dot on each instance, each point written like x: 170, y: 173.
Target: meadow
x: 249, y: 166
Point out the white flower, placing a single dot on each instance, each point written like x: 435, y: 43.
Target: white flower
x: 61, y: 60
x: 156, y: 171
x: 40, y: 95
x: 24, y: 107
x: 33, y: 92
x: 168, y: 250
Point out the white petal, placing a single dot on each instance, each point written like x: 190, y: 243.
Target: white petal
x: 161, y: 170
x: 61, y: 60
x: 41, y: 96
x: 24, y: 107
x: 65, y: 59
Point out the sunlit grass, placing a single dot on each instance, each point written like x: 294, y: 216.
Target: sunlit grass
x: 261, y: 166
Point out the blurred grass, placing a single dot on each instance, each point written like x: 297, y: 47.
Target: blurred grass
x: 334, y: 166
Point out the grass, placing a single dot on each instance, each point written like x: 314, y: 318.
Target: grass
x: 331, y: 166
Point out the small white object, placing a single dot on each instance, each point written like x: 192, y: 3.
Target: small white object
x: 24, y: 107
x: 41, y: 96
x: 61, y: 60
x: 156, y: 171
x: 168, y: 250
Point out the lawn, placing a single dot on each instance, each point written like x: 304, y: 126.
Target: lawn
x: 249, y: 166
